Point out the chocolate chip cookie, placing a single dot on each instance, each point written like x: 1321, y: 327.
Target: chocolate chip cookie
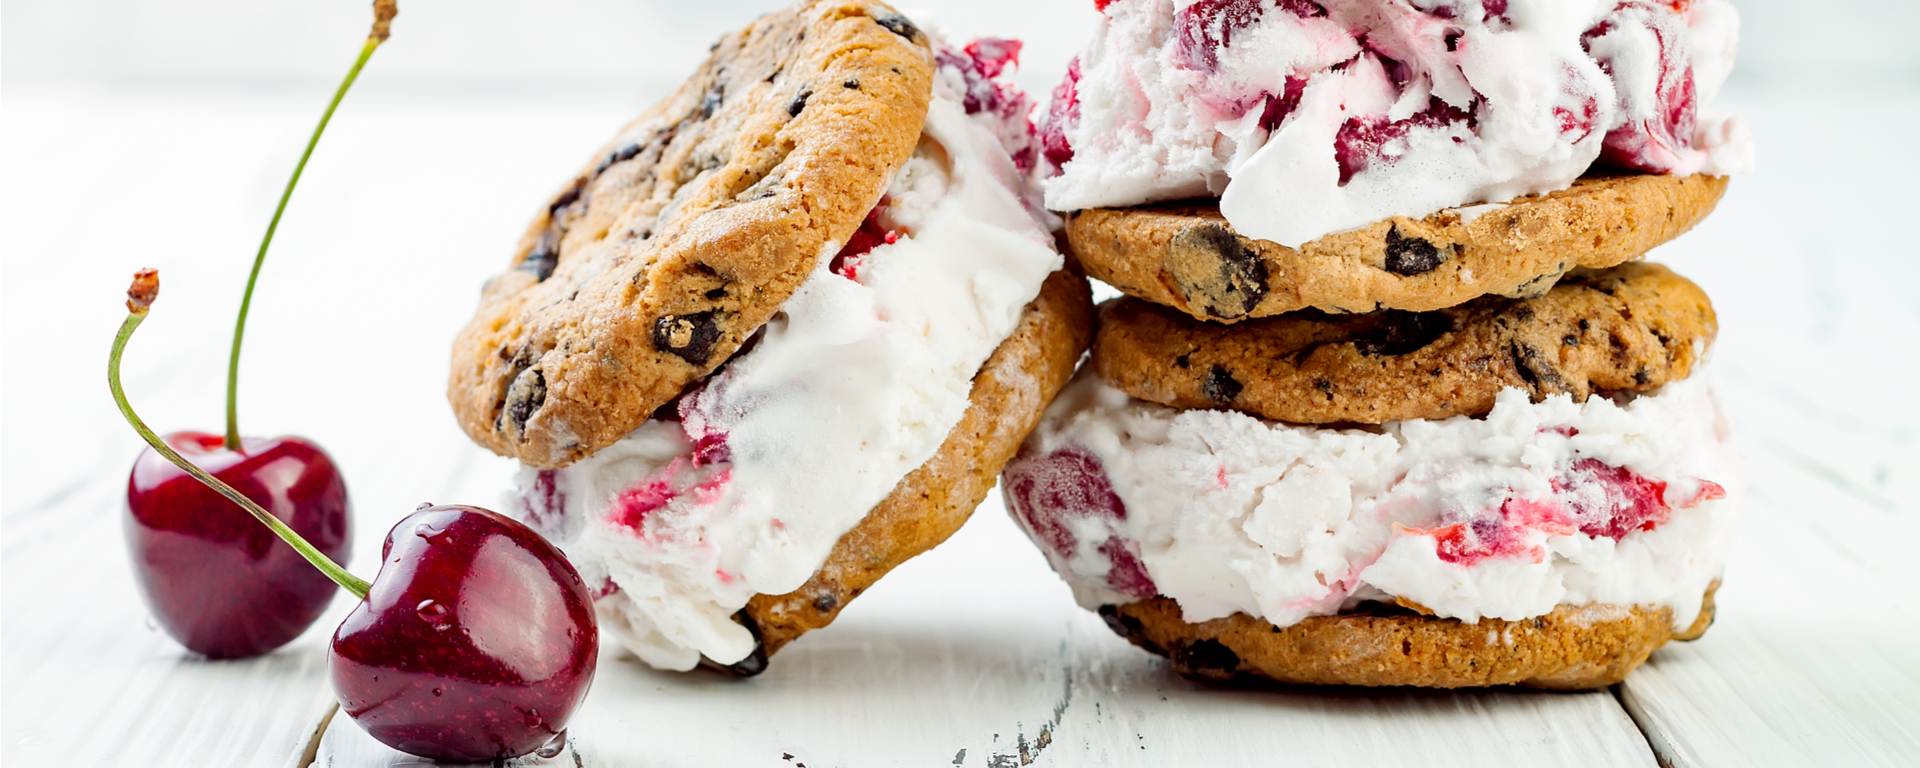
x: 686, y: 233
x: 1630, y: 328
x: 1570, y: 648
x: 1009, y: 394
x: 1186, y: 255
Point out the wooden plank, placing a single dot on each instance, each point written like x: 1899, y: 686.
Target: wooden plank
x: 336, y: 352
x: 1812, y: 660
x: 88, y: 682
x: 975, y: 655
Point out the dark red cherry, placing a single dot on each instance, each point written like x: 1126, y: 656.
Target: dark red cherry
x: 1049, y: 494
x: 476, y: 642
x: 216, y: 579
x: 1063, y: 113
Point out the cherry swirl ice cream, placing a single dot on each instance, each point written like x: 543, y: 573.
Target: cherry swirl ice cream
x: 1307, y: 117
x: 743, y: 486
x: 1504, y: 516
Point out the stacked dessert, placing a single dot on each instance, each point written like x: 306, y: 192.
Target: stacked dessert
x: 1401, y: 405
x: 781, y: 334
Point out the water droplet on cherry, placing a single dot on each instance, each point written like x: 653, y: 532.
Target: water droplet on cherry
x: 423, y: 505
x: 434, y: 613
x: 554, y: 746
x: 527, y: 641
x: 151, y: 626
x: 430, y: 611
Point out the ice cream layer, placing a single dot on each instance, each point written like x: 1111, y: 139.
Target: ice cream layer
x: 1506, y: 516
x: 854, y: 384
x: 1308, y: 117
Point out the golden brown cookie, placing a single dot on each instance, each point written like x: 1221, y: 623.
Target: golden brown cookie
x: 1570, y: 648
x: 1009, y: 394
x: 687, y: 232
x: 1186, y: 256
x: 1633, y: 327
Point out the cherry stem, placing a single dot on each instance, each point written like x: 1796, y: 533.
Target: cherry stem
x: 383, y: 13
x: 140, y: 297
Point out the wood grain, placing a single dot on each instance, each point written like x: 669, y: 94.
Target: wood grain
x: 962, y: 655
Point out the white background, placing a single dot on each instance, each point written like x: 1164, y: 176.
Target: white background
x: 634, y: 45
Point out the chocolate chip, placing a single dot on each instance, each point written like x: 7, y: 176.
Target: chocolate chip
x: 541, y: 263
x: 1184, y: 361
x: 1536, y: 370
x: 690, y: 337
x: 715, y: 96
x: 617, y: 156
x: 1640, y: 377
x: 1220, y: 386
x: 1535, y: 288
x: 826, y: 602
x: 898, y: 25
x: 569, y: 197
x: 1208, y: 654
x: 1216, y: 271
x: 545, y: 255
x: 799, y: 102
x: 716, y: 294
x: 1570, y: 340
x: 1129, y: 627
x: 1398, y: 332
x: 1408, y: 256
x: 525, y: 396
x: 756, y: 662
x: 852, y: 82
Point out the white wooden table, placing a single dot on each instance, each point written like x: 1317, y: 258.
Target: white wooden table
x: 972, y: 655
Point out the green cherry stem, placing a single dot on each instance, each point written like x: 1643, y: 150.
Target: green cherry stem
x: 383, y: 13
x: 146, y: 288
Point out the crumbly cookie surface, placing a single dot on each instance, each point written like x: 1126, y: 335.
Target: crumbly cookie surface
x: 1009, y: 394
x: 687, y: 232
x: 1634, y: 327
x: 1186, y: 256
x: 1570, y: 648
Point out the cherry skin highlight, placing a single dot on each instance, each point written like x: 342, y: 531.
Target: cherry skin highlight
x: 216, y: 579
x: 476, y: 642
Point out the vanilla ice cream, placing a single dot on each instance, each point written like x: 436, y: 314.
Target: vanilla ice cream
x: 1505, y: 516
x: 853, y: 385
x: 1308, y: 117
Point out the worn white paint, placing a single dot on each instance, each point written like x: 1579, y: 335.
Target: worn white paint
x: 417, y: 197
